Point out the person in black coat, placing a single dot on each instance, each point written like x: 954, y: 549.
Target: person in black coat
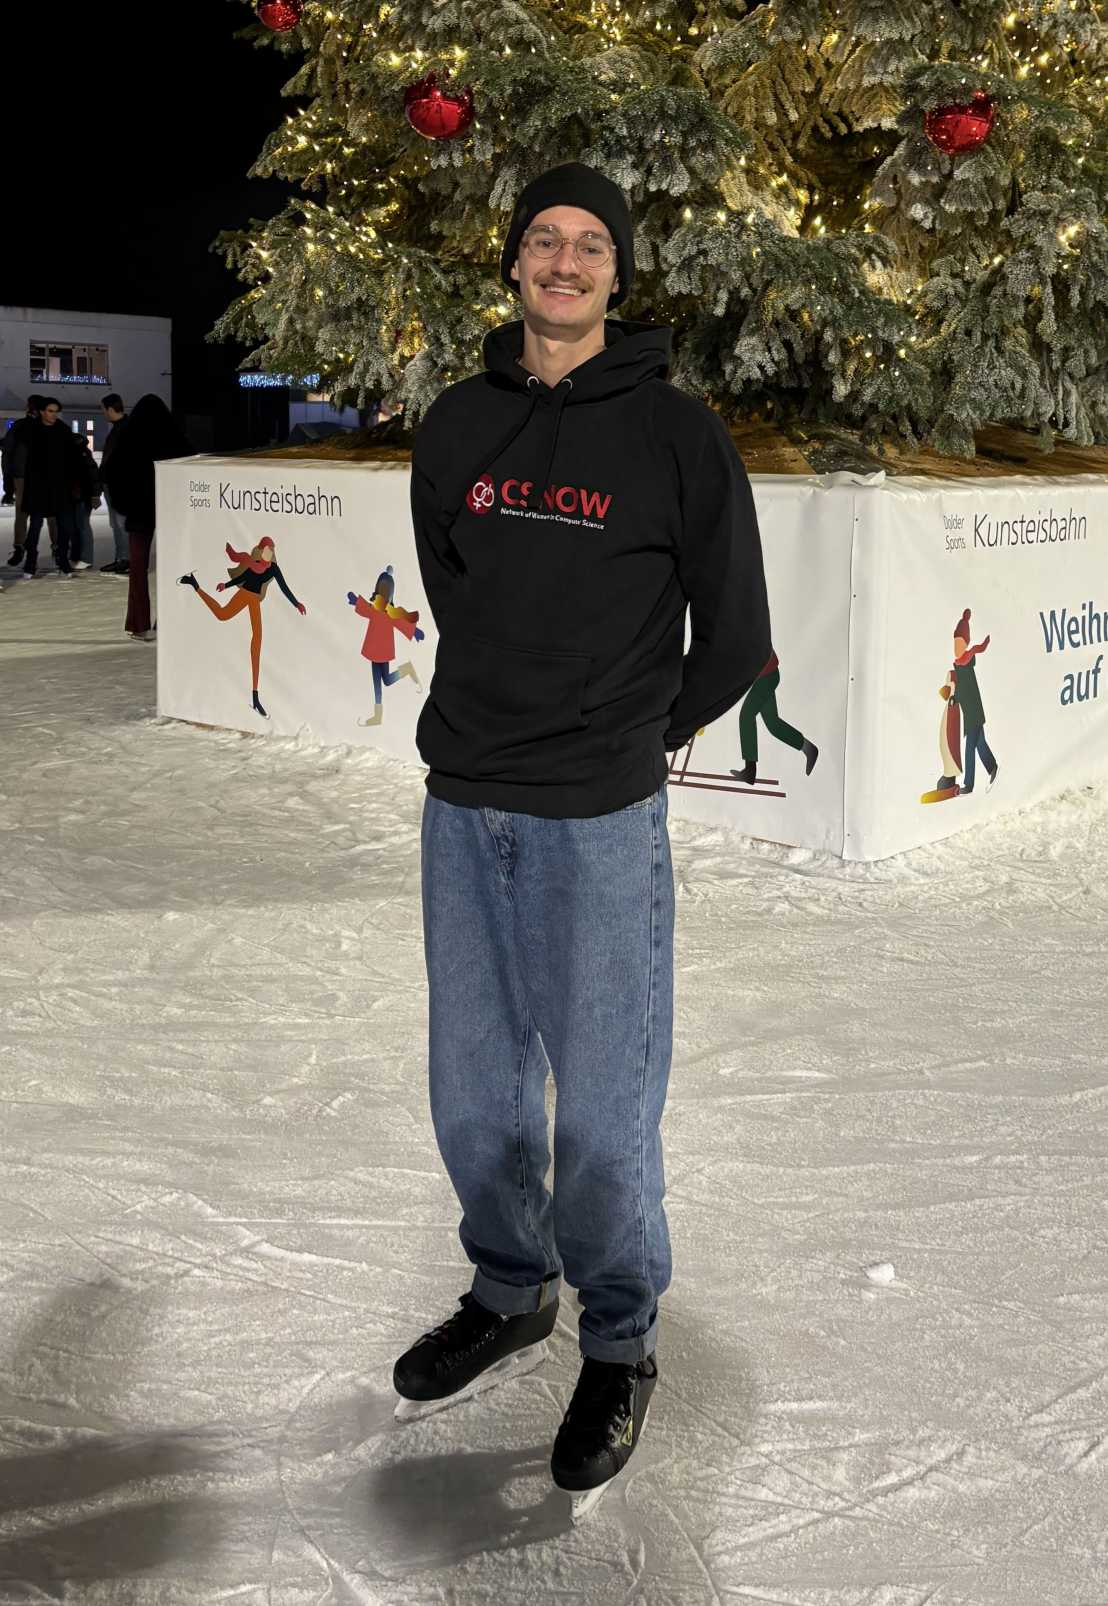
x: 150, y: 437
x: 17, y: 442
x: 56, y: 478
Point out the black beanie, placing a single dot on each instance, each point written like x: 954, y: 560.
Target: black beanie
x: 574, y: 184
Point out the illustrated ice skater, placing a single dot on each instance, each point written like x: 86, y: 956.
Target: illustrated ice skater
x: 961, y: 691
x: 252, y: 574
x: 761, y: 702
x: 383, y: 618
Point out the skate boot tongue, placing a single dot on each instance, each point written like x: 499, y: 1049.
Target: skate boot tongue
x: 473, y: 1317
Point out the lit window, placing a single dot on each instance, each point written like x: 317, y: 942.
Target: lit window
x: 56, y: 364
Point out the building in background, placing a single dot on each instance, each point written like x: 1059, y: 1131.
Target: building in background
x: 293, y: 409
x: 78, y: 357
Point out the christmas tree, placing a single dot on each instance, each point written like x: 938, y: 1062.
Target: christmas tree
x: 878, y: 215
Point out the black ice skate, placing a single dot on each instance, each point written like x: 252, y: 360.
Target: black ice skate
x: 474, y: 1350
x: 601, y: 1428
x: 257, y: 706
x: 189, y: 580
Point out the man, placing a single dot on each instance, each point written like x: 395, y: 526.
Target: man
x: 57, y: 477
x: 116, y: 414
x: 16, y: 443
x: 568, y: 504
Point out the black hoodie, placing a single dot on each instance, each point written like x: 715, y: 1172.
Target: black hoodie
x: 561, y: 533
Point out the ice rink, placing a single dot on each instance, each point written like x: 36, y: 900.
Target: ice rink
x: 223, y: 1214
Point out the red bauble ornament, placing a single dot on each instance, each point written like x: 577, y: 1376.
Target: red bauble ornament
x: 434, y: 112
x: 280, y: 15
x: 957, y: 129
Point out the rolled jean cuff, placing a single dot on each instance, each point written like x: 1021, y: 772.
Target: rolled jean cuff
x: 510, y: 1299
x: 626, y: 1350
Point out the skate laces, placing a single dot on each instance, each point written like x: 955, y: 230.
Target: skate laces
x: 602, y: 1384
x: 472, y: 1321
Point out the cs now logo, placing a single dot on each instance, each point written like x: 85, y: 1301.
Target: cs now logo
x: 481, y: 497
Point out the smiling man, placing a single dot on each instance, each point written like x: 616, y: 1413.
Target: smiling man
x: 569, y: 505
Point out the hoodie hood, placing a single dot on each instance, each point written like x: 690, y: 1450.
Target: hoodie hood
x: 633, y: 352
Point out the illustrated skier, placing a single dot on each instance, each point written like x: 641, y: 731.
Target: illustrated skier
x: 560, y: 687
x: 252, y: 574
x: 383, y: 618
x: 761, y: 699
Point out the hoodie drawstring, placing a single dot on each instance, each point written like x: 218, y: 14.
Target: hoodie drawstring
x: 539, y: 483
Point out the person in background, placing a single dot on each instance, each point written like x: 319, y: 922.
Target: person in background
x: 89, y: 499
x: 116, y: 414
x: 150, y: 436
x: 16, y: 442
x: 56, y: 479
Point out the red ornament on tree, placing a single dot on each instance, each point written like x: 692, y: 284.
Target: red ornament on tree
x: 958, y: 129
x: 435, y: 113
x: 280, y: 15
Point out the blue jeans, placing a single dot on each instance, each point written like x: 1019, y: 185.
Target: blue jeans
x: 976, y: 743
x: 119, y: 533
x: 83, y: 547
x: 554, y: 938
x: 382, y: 676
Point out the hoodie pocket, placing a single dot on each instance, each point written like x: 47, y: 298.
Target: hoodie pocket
x: 510, y: 713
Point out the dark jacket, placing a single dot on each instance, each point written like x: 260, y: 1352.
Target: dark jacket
x: 128, y: 474
x: 251, y: 580
x: 967, y: 694
x: 112, y: 439
x: 57, y: 473
x: 17, y: 441
x: 562, y: 534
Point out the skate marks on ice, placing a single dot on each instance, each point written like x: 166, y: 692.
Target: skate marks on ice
x: 87, y: 1506
x: 461, y: 1507
x: 214, y: 1110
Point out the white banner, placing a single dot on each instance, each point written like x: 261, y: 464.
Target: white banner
x: 1028, y: 560
x: 866, y: 586
x: 336, y: 527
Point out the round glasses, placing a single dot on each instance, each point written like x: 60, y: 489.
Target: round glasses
x: 591, y: 250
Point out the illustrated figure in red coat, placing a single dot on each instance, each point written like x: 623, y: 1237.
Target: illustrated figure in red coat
x: 383, y: 619
x: 251, y: 575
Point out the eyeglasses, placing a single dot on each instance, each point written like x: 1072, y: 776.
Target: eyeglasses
x: 591, y: 250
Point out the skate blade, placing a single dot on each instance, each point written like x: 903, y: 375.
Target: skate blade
x: 581, y: 1504
x: 517, y: 1365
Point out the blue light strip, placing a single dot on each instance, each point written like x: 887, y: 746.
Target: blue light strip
x: 261, y: 381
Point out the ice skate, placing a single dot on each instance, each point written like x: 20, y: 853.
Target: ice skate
x: 471, y: 1352
x: 257, y: 706
x: 601, y: 1428
x: 375, y: 718
x: 748, y: 774
x: 189, y: 580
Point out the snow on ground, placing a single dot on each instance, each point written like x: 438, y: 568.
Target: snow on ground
x: 222, y: 1212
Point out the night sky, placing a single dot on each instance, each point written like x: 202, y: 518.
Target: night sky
x: 139, y: 123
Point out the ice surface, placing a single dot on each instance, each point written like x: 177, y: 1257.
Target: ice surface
x: 222, y: 1212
